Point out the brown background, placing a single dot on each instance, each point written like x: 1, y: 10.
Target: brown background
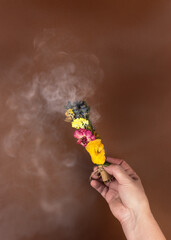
x: 132, y: 40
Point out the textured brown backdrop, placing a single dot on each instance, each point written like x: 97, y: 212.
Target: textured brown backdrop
x: 132, y: 40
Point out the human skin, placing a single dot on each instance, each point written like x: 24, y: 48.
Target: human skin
x: 128, y: 202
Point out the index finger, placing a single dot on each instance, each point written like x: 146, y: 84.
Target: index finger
x: 122, y: 163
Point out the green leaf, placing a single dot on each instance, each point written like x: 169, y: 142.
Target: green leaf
x: 106, y: 164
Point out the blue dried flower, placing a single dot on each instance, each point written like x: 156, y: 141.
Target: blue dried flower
x: 80, y: 109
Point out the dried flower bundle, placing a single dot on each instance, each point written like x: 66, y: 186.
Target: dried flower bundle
x: 78, y: 114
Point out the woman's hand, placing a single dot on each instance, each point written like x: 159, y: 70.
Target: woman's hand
x: 127, y: 200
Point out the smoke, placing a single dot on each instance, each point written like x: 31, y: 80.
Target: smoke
x: 39, y: 174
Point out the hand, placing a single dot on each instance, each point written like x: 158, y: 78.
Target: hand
x: 125, y: 193
x: 126, y: 198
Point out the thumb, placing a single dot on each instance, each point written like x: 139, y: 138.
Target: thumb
x: 119, y: 173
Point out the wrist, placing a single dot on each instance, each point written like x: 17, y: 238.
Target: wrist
x: 145, y: 228
x: 142, y: 226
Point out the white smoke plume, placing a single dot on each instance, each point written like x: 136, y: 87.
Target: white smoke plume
x: 39, y: 169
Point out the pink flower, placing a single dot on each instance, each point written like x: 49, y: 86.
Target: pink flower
x: 84, y: 136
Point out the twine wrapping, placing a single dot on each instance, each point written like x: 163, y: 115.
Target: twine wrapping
x: 102, y: 173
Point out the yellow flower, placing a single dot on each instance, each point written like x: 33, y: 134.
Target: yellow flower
x: 80, y: 123
x: 69, y: 115
x: 96, y: 151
